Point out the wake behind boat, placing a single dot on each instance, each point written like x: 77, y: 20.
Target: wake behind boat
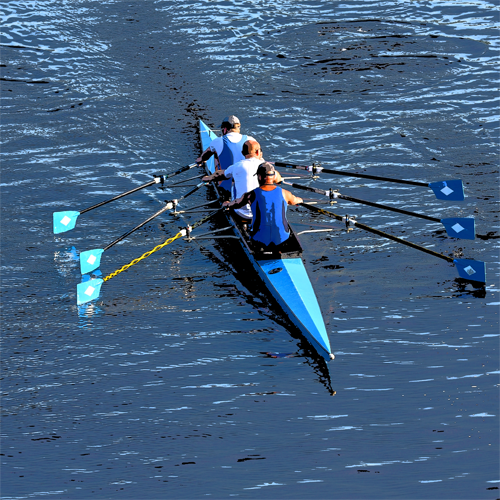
x: 283, y: 273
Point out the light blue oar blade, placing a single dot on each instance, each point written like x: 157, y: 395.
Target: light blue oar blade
x: 473, y: 270
x: 448, y: 190
x: 90, y: 260
x: 64, y: 221
x: 460, y: 227
x: 88, y: 290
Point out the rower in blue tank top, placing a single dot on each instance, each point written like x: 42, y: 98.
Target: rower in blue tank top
x: 227, y: 149
x: 269, y: 204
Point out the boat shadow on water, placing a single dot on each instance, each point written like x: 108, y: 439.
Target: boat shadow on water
x: 232, y: 259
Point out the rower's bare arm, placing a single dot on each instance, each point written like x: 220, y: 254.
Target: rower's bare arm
x: 277, y: 177
x: 217, y: 175
x: 291, y: 199
x: 205, y: 156
x: 240, y: 202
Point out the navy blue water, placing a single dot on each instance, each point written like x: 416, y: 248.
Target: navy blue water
x: 182, y: 381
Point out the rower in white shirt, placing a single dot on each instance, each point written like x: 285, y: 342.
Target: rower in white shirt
x: 244, y: 173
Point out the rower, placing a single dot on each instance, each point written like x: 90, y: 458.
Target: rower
x: 243, y: 173
x: 227, y: 149
x: 269, y: 204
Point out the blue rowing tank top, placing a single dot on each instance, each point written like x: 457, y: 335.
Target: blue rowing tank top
x: 230, y: 154
x: 269, y: 224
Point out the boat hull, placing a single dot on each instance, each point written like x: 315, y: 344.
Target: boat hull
x: 284, y: 276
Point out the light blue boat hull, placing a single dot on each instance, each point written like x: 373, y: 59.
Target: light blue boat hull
x: 287, y: 281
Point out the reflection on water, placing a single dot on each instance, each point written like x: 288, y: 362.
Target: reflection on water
x: 182, y: 369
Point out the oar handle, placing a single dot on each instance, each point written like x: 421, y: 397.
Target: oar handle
x: 123, y: 236
x: 316, y: 169
x: 375, y: 231
x: 156, y: 180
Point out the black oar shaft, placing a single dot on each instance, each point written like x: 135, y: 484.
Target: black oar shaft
x: 364, y: 202
x: 377, y: 232
x: 150, y: 183
x: 166, y: 207
x: 385, y: 207
x: 186, y: 180
x: 198, y: 186
x: 123, y: 236
x: 183, y: 169
x: 349, y: 174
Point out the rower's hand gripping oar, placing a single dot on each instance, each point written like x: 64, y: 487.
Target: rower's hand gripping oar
x: 65, y: 221
x: 456, y: 227
x: 452, y: 190
x: 91, y: 259
x: 90, y: 289
x: 468, y: 269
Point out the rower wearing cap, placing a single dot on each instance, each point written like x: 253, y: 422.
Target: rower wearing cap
x: 228, y: 148
x: 243, y: 174
x: 269, y: 204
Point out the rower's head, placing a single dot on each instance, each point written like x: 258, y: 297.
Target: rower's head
x: 265, y: 173
x: 251, y: 149
x: 230, y: 124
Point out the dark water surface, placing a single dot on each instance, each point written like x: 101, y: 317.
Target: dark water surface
x: 165, y: 388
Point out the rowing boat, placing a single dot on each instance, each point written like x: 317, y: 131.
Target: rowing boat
x: 283, y: 274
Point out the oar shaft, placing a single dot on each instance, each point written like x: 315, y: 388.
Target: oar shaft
x: 168, y: 206
x: 128, y: 233
x: 186, y: 180
x: 150, y: 183
x: 386, y: 207
x: 377, y: 232
x: 363, y: 202
x: 156, y: 180
x: 183, y: 169
x: 349, y: 174
x: 198, y: 186
x: 306, y: 188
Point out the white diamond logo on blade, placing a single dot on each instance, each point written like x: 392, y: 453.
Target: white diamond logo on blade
x: 470, y: 270
x: 89, y: 291
x: 65, y: 220
x: 93, y: 258
x: 457, y: 228
x: 446, y: 191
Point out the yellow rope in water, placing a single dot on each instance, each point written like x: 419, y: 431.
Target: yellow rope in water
x: 180, y: 234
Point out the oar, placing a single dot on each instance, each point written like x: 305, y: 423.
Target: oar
x: 65, y: 221
x: 456, y: 227
x: 91, y: 259
x: 468, y: 269
x: 186, y: 180
x: 90, y: 289
x: 444, y: 190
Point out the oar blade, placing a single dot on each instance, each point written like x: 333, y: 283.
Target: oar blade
x: 90, y: 260
x: 64, y: 221
x: 460, y: 227
x: 448, y: 190
x: 472, y: 270
x: 88, y: 290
